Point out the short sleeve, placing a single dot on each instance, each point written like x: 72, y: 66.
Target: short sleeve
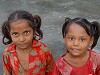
x: 98, y: 65
x: 50, y: 61
x: 96, y: 59
x: 6, y: 64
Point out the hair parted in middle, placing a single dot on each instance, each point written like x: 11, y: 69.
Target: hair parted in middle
x: 34, y: 22
x: 91, y: 28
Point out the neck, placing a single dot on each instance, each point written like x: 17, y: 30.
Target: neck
x: 24, y: 50
x: 84, y: 55
x: 77, y: 61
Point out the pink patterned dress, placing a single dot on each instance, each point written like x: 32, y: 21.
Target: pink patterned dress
x: 91, y: 67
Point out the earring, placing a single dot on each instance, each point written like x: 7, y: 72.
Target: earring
x: 90, y: 45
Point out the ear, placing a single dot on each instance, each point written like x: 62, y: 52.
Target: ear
x: 65, y: 40
x: 91, y: 41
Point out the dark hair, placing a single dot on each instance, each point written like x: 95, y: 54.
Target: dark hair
x: 34, y: 22
x: 92, y: 28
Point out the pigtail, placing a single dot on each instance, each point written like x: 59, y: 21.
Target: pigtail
x: 6, y: 33
x: 64, y: 29
x: 37, y: 22
x: 96, y: 29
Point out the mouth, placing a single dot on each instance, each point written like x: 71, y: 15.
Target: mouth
x: 75, y: 50
x: 21, y: 44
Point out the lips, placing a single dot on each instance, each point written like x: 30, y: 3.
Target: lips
x: 22, y: 44
x: 75, y: 49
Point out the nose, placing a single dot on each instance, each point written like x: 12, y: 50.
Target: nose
x: 21, y: 38
x: 76, y: 42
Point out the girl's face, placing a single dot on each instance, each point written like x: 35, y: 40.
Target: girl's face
x: 21, y: 34
x: 77, y: 40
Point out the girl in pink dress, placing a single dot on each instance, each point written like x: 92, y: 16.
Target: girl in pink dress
x: 80, y: 38
x: 25, y: 55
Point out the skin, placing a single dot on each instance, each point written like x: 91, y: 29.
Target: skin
x: 77, y: 42
x: 22, y: 35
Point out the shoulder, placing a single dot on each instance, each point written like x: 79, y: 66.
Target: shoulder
x: 10, y: 48
x: 60, y: 63
x: 62, y: 66
x: 56, y: 68
x: 40, y: 45
x: 37, y: 43
x: 95, y: 57
x: 95, y: 54
x: 60, y: 59
x: 7, y: 52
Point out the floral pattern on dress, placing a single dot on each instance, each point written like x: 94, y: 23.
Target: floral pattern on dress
x: 40, y: 60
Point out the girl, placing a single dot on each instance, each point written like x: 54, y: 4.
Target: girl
x: 26, y: 55
x: 79, y: 34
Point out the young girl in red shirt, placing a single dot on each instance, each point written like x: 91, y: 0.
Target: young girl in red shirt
x: 80, y: 38
x: 25, y: 55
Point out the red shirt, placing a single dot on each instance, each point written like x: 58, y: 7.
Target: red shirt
x: 40, y: 60
x: 91, y: 67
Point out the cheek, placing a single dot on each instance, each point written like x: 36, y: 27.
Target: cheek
x: 30, y: 38
x: 85, y: 46
x: 14, y: 40
x: 68, y: 44
x: 12, y: 37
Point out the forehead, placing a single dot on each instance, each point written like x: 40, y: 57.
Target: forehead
x: 75, y: 26
x: 19, y: 24
x: 19, y: 21
x: 76, y: 29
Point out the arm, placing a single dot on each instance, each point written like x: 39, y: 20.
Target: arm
x: 50, y: 62
x: 6, y: 64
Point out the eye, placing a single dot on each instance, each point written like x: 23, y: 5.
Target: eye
x: 15, y: 34
x: 70, y: 38
x: 26, y: 32
x: 82, y: 39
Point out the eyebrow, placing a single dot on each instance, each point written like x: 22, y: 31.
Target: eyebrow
x: 73, y: 36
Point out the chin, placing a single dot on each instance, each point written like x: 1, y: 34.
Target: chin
x: 76, y: 54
